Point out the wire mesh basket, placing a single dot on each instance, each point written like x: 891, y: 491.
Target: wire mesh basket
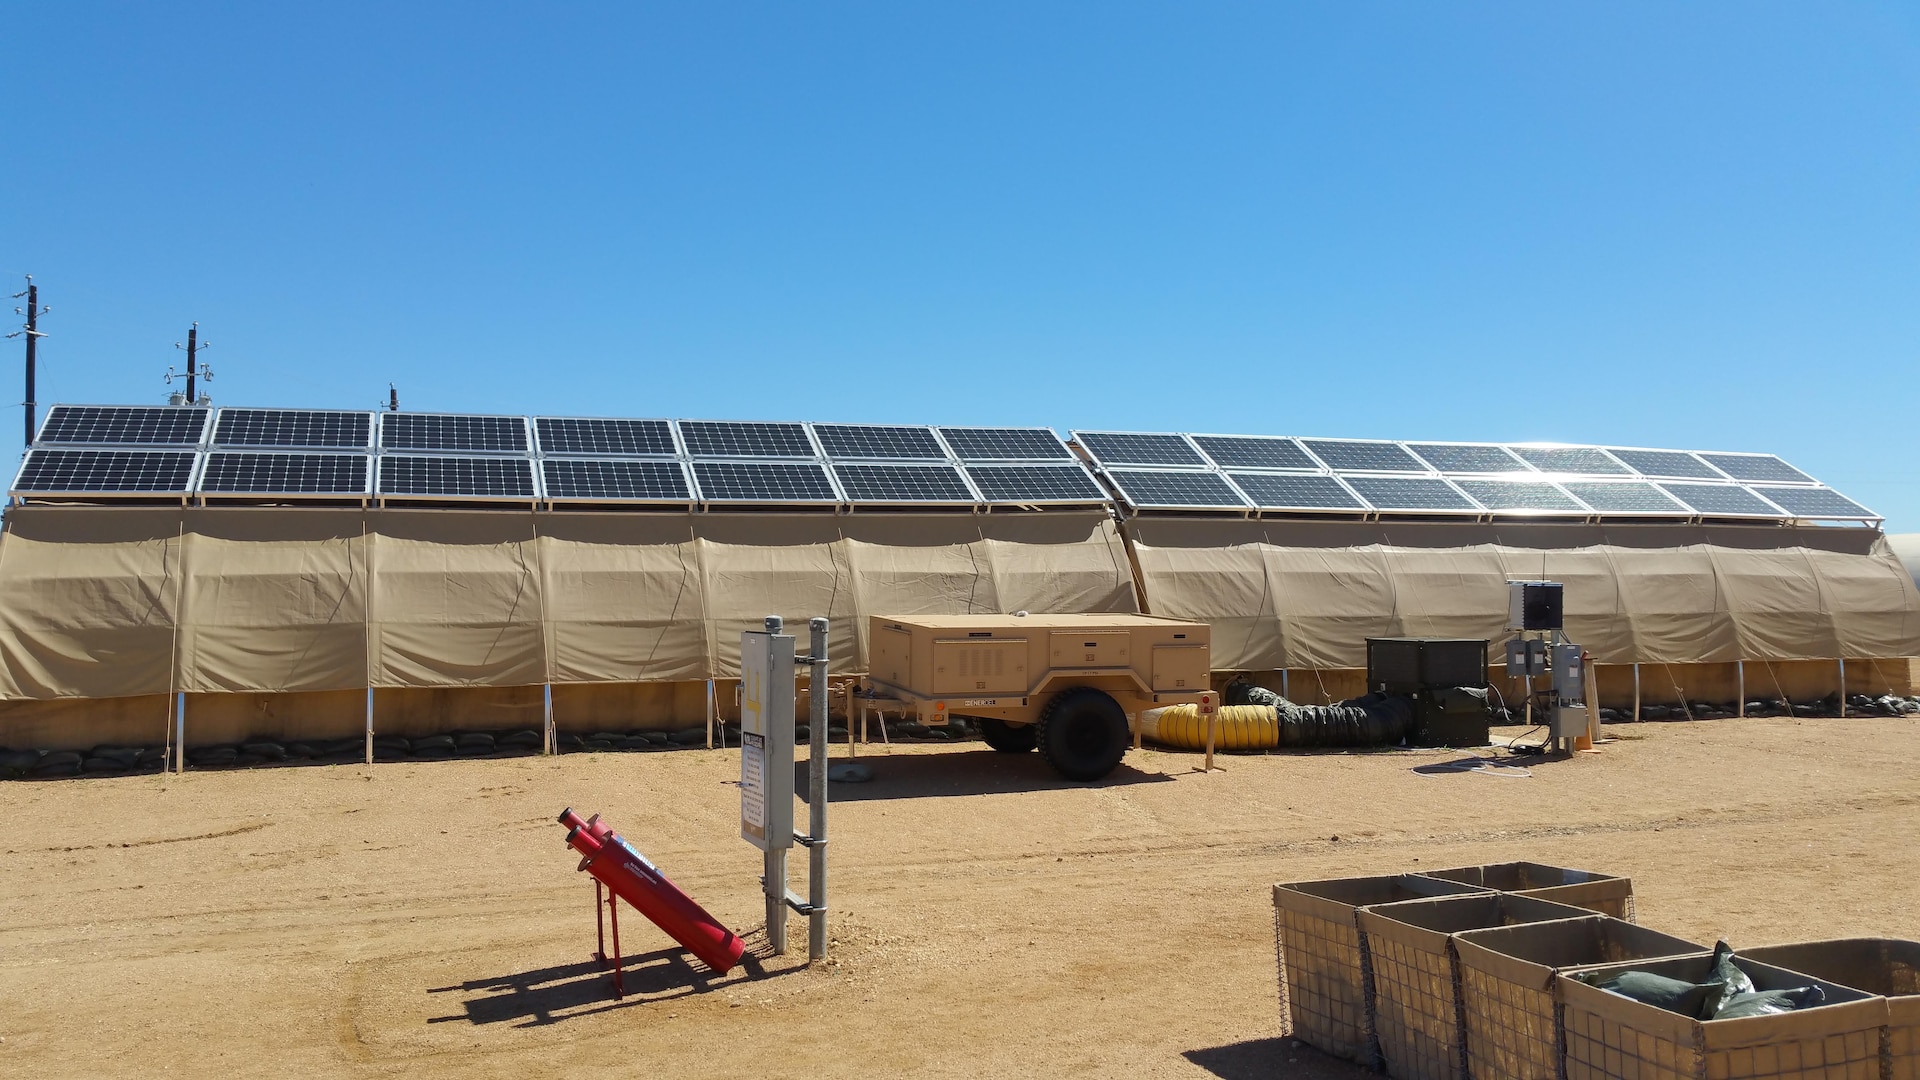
x: 1883, y: 966
x: 1604, y: 893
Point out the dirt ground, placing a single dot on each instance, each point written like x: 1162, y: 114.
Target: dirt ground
x: 988, y: 920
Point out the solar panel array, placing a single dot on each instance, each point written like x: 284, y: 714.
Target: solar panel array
x: 106, y: 453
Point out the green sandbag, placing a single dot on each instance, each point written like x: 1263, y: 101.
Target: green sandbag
x: 1724, y: 970
x: 1770, y: 1002
x: 1697, y: 1000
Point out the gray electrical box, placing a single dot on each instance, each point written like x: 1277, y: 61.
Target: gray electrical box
x: 766, y: 740
x: 1569, y: 718
x: 1534, y: 605
x: 1526, y: 658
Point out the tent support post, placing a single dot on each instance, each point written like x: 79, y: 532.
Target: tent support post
x: 710, y: 704
x: 1740, y: 684
x: 546, y: 731
x: 369, y: 725
x: 1843, y: 688
x: 1284, y: 692
x: 180, y: 733
x: 1636, y: 693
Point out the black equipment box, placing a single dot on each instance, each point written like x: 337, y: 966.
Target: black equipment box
x: 1447, y: 680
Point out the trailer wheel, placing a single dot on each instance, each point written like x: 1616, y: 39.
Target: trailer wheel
x: 1083, y: 733
x: 1009, y: 738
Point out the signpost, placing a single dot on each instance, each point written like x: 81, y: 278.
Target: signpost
x: 766, y: 774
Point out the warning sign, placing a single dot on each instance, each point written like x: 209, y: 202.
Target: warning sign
x: 753, y: 783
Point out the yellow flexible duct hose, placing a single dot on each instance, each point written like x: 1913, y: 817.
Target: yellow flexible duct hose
x: 1238, y: 727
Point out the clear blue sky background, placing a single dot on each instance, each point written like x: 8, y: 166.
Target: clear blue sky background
x: 1689, y: 225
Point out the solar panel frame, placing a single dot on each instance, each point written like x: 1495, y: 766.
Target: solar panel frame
x: 1644, y: 461
x: 389, y: 483
x: 1367, y: 484
x: 971, y: 445
x: 1592, y: 491
x: 1488, y: 492
x: 710, y: 478
x: 863, y: 483
x: 1599, y: 462
x: 1694, y: 496
x: 1127, y: 449
x: 841, y: 442
x: 106, y: 425
x: 70, y: 459
x: 1798, y: 499
x: 1253, y: 486
x: 515, y: 430
x: 1430, y: 452
x: 1755, y: 468
x: 1134, y: 487
x: 1366, y: 456
x: 604, y: 437
x: 749, y: 440
x: 998, y: 483
x: 227, y: 418
x: 210, y: 479
x: 565, y: 479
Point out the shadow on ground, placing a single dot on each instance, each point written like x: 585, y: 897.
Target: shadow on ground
x: 1262, y: 1059
x: 960, y: 772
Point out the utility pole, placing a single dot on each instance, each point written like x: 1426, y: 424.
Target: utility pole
x: 194, y: 347
x: 33, y: 335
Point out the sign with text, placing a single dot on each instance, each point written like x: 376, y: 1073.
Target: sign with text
x: 766, y: 739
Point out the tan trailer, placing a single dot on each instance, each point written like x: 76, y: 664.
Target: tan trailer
x: 1065, y: 684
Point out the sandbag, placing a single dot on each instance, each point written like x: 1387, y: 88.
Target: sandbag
x: 1698, y: 1000
x: 1724, y: 971
x: 1769, y: 1002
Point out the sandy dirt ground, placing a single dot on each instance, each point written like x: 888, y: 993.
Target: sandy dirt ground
x: 988, y: 920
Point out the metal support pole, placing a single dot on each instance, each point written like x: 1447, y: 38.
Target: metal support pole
x: 775, y: 867
x: 1843, y: 688
x: 369, y: 725
x: 1636, y: 693
x: 547, y: 735
x: 1740, y: 683
x: 817, y: 795
x: 711, y: 702
x: 1211, y: 717
x: 1284, y: 692
x: 180, y: 733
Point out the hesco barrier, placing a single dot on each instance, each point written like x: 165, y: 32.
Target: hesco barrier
x: 1603, y: 893
x: 1325, y: 978
x: 1507, y: 979
x: 1416, y: 977
x: 1883, y: 966
x: 1609, y: 1035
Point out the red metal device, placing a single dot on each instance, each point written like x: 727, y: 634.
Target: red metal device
x: 631, y: 877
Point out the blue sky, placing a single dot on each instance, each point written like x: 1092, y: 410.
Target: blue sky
x: 1646, y: 224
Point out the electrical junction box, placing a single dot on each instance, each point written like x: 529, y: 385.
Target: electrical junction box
x: 1569, y: 693
x: 1526, y: 658
x: 1534, y: 605
x: 766, y: 739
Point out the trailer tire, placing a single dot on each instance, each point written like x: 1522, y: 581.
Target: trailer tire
x: 1009, y: 738
x: 1083, y: 733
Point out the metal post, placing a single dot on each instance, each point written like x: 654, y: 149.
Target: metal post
x: 1740, y: 683
x: 1636, y: 693
x: 1843, y: 688
x: 1284, y: 692
x: 711, y: 702
x: 193, y: 349
x: 775, y: 863
x: 369, y: 725
x: 1210, y: 724
x: 33, y: 340
x: 180, y: 733
x: 817, y: 795
x: 547, y: 736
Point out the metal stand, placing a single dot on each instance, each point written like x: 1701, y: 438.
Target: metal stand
x: 603, y: 897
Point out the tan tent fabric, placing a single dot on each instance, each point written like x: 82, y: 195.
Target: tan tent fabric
x: 456, y: 600
x: 625, y: 597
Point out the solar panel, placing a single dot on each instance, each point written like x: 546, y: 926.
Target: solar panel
x: 1005, y: 444
x: 106, y: 471
x: 1035, y: 483
x: 763, y: 481
x: 1764, y: 467
x: 903, y: 483
x: 585, y: 435
x: 1296, y: 492
x: 879, y: 442
x: 285, y: 474
x: 293, y: 428
x: 1721, y: 499
x: 717, y: 438
x: 1457, y: 458
x: 1409, y: 493
x: 1624, y: 497
x: 447, y: 431
x: 1815, y: 502
x: 456, y: 477
x: 1674, y: 463
x: 1138, y: 448
x: 1252, y: 452
x: 1520, y: 495
x: 1145, y: 488
x: 154, y: 425
x: 623, y: 480
x: 1570, y: 459
x: 1364, y: 456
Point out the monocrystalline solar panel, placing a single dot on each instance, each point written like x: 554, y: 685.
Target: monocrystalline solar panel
x: 1296, y: 492
x: 1583, y: 460
x: 1721, y: 499
x: 903, y: 483
x: 1145, y: 488
x: 1455, y: 458
x: 1625, y: 497
x: 617, y: 479
x: 1677, y: 464
x: 1814, y: 502
x: 1762, y: 467
x: 293, y: 428
x: 1138, y: 448
x: 444, y: 431
x: 878, y: 442
x: 108, y: 425
x: 718, y: 438
x: 591, y: 435
x: 1252, y: 452
x: 1005, y: 444
x: 1519, y: 495
x: 1357, y: 456
x: 456, y: 477
x: 1035, y: 483
x: 763, y: 481
x: 242, y: 472
x: 106, y: 471
x: 1409, y: 493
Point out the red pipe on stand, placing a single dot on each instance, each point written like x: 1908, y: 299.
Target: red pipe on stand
x: 631, y: 877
